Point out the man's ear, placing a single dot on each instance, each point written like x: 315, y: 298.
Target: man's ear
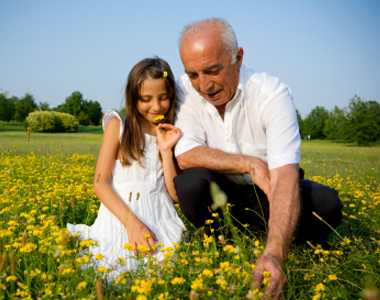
x: 239, y: 56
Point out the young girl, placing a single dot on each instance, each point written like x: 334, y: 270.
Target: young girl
x: 134, y: 173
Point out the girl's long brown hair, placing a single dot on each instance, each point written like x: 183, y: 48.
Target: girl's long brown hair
x: 132, y: 143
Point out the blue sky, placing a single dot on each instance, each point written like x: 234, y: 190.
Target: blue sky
x: 325, y: 51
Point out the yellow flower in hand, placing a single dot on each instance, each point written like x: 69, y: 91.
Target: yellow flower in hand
x: 160, y: 120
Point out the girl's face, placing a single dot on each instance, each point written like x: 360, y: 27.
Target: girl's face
x: 155, y: 100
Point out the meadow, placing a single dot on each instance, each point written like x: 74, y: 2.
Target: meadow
x: 47, y: 182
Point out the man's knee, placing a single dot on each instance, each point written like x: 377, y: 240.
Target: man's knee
x: 323, y: 200
x: 192, y: 181
x: 192, y: 186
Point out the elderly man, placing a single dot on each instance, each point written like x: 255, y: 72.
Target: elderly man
x: 232, y: 117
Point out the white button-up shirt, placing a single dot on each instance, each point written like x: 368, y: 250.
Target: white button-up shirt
x: 260, y: 121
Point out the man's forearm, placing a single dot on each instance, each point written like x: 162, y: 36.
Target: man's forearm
x: 218, y: 160
x: 284, y: 210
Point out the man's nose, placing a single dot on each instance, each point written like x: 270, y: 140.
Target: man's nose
x: 204, y: 83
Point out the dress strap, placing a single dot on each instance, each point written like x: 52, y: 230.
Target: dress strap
x: 113, y: 114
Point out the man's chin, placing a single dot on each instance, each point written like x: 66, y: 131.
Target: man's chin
x: 216, y: 101
x: 219, y: 103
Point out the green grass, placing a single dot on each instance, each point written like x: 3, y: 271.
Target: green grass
x: 324, y: 158
x: 354, y: 171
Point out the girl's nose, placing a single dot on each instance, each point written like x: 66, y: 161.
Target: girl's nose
x: 157, y: 105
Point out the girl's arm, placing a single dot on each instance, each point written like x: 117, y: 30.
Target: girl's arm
x: 107, y: 155
x: 166, y: 141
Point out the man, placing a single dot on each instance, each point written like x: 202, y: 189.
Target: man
x: 232, y: 118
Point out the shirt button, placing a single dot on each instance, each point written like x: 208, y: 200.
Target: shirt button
x: 228, y: 140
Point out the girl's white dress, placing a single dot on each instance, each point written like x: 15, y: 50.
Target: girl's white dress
x: 144, y: 191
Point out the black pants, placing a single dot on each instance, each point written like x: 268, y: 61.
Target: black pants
x: 250, y: 205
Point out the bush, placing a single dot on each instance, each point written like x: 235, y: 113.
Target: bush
x: 51, y: 121
x: 41, y: 121
x: 65, y: 122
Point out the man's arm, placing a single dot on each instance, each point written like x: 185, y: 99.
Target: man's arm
x: 227, y: 163
x: 284, y: 212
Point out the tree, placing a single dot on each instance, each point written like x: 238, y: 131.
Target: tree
x: 85, y: 111
x: 361, y: 126
x: 94, y: 111
x: 7, y: 107
x: 24, y: 106
x: 83, y: 118
x: 315, y: 122
x: 335, y: 123
x: 300, y: 123
x: 73, y: 104
x: 44, y: 106
x: 123, y: 112
x: 374, y: 107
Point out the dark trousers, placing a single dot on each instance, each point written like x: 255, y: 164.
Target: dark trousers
x: 250, y: 205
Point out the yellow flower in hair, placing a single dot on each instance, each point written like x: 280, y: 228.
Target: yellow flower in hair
x: 165, y: 74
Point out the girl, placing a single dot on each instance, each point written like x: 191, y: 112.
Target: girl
x: 134, y: 173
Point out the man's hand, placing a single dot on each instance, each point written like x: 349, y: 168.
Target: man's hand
x: 284, y: 210
x: 273, y: 264
x: 260, y: 174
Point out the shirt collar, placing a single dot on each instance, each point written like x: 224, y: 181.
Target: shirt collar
x: 239, y: 93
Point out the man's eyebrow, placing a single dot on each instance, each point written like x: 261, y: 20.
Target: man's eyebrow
x: 190, y: 72
x: 216, y: 66
x: 207, y: 69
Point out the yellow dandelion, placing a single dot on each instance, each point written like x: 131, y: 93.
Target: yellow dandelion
x: 82, y: 285
x: 143, y: 248
x: 99, y: 256
x: 178, y: 280
x: 159, y: 119
x: 319, y: 287
x: 102, y: 270
x: 207, y: 273
x: 128, y: 246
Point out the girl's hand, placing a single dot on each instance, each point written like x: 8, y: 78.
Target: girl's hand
x: 169, y: 138
x: 137, y: 233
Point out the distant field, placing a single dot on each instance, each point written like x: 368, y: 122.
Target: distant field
x: 12, y: 126
x: 325, y: 158
x: 18, y: 126
x: 48, y: 144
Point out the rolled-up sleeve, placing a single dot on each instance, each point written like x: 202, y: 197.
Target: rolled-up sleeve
x: 283, y: 139
x: 188, y: 119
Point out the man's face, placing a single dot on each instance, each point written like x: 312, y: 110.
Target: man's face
x: 209, y: 68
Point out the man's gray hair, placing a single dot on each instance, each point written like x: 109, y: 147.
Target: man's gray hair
x: 228, y: 35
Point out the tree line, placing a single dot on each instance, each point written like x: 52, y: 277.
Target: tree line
x: 86, y: 111
x: 358, y: 123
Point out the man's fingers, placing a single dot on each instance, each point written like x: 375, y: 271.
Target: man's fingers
x: 273, y: 292
x: 257, y: 278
